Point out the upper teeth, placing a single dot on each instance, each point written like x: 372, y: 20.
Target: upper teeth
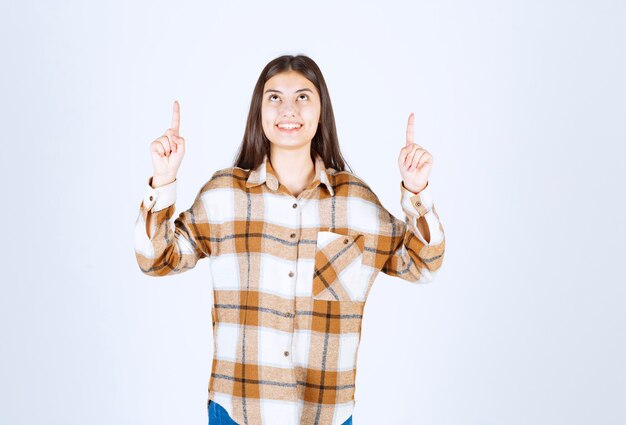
x: 289, y: 125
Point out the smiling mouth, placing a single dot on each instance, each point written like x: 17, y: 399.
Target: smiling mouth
x: 289, y: 129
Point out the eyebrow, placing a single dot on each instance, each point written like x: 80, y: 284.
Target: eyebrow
x: 278, y: 91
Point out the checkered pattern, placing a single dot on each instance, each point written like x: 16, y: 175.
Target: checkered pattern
x: 290, y: 278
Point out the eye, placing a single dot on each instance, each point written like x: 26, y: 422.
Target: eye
x: 274, y: 95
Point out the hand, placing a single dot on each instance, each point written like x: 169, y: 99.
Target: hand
x: 167, y: 152
x: 414, y: 161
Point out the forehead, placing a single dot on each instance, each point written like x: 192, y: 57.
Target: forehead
x: 288, y: 81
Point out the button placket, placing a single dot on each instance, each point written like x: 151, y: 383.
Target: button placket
x: 293, y: 271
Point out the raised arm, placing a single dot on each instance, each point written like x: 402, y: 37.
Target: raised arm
x: 160, y: 248
x: 418, y: 242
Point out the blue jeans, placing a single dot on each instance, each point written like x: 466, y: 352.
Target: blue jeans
x: 219, y: 416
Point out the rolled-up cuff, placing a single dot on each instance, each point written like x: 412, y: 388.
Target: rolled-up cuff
x: 157, y: 199
x: 416, y: 205
x: 419, y: 203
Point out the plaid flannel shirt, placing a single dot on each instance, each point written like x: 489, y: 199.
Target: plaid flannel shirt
x: 290, y: 279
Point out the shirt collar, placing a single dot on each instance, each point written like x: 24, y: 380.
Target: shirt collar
x: 265, y: 173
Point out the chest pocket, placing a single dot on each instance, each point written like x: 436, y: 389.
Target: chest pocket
x: 338, y: 260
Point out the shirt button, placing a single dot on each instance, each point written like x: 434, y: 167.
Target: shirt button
x: 419, y: 204
x: 290, y: 274
x: 151, y: 197
x: 286, y: 353
x: 293, y: 235
x: 345, y: 241
x: 295, y: 205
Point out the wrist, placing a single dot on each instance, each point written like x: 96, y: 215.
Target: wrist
x: 158, y: 181
x: 414, y: 190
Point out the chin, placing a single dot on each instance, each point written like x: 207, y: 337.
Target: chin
x: 286, y: 143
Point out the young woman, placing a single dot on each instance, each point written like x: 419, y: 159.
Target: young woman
x: 295, y: 243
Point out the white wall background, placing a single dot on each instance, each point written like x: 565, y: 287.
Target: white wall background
x: 520, y: 102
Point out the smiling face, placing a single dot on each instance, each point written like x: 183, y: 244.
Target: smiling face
x: 290, y: 110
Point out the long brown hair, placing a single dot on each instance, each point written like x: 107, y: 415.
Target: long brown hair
x: 324, y: 143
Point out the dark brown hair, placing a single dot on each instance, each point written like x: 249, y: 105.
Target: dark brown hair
x: 325, y: 143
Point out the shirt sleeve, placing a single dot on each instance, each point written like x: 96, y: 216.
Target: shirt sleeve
x: 411, y: 257
x: 162, y: 249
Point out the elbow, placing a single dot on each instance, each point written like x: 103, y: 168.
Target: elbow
x: 149, y: 266
x: 432, y: 259
x: 155, y: 272
x: 149, y: 271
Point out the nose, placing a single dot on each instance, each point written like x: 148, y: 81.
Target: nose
x: 289, y: 109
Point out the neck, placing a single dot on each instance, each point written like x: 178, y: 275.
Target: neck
x: 294, y: 168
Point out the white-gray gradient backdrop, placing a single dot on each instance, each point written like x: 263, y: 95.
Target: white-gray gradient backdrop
x: 521, y: 103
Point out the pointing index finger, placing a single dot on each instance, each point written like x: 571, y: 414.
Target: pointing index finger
x: 176, y: 118
x: 409, y: 130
